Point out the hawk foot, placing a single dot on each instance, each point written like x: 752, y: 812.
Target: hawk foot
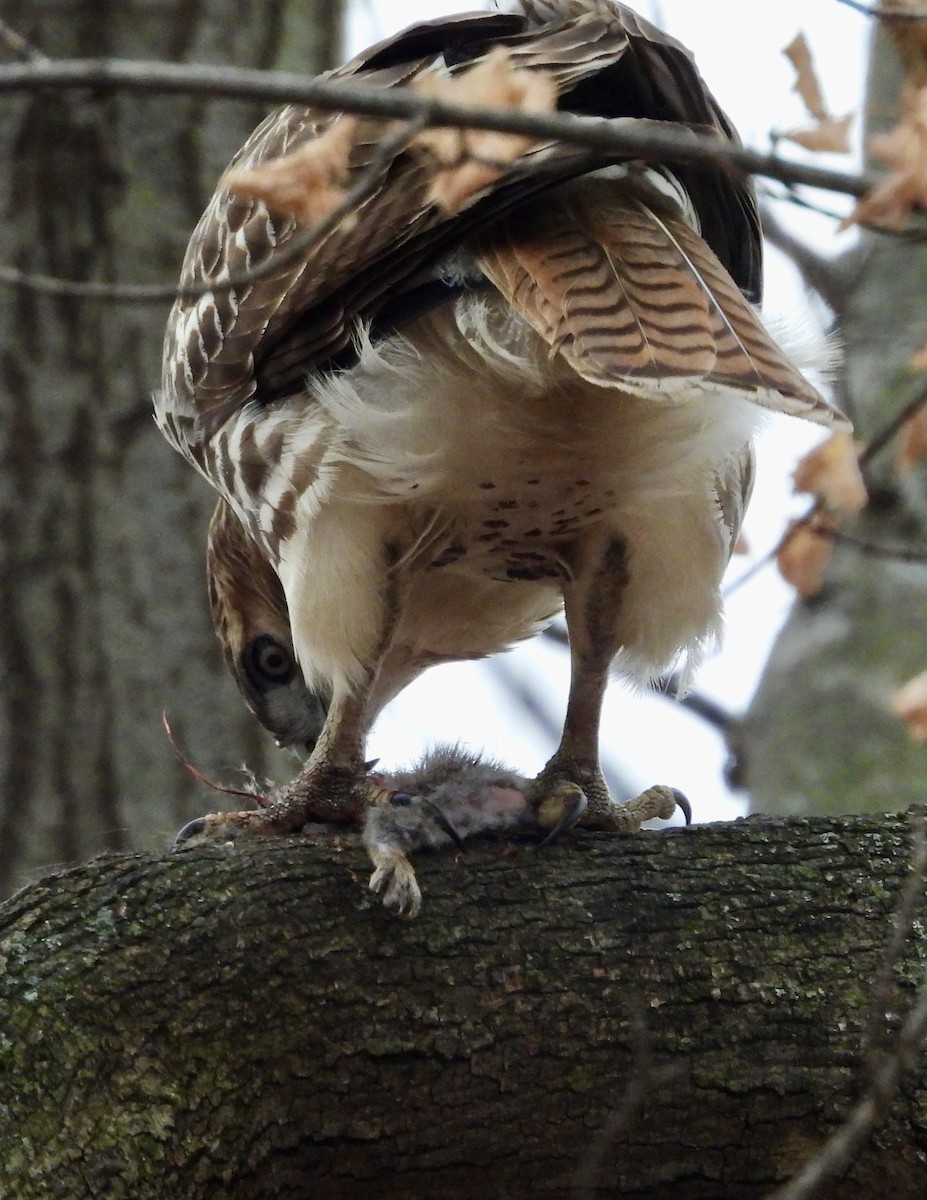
x: 656, y: 802
x: 327, y: 796
x: 228, y: 826
x: 600, y: 811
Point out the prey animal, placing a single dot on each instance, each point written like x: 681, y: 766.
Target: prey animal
x: 449, y: 796
x: 439, y: 422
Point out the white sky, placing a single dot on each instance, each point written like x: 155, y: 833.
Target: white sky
x: 737, y: 44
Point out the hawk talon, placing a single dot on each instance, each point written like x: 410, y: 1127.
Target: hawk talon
x: 569, y: 818
x: 655, y: 803
x: 682, y: 803
x: 190, y: 830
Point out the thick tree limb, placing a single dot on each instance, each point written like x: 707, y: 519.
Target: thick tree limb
x: 250, y: 1023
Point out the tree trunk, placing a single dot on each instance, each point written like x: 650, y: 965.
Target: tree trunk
x: 820, y: 735
x: 103, y: 616
x: 667, y: 1015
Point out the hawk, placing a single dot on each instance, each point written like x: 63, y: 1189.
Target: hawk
x: 433, y: 427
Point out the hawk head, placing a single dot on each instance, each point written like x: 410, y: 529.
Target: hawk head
x: 252, y: 623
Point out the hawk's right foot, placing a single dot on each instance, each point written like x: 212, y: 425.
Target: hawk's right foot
x: 329, y: 796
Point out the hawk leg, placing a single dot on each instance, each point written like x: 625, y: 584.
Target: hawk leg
x: 332, y: 786
x: 592, y: 603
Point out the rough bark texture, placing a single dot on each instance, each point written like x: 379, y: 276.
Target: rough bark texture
x: 820, y: 735
x: 103, y: 617
x: 250, y: 1023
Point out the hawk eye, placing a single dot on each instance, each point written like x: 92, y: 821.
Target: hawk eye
x: 268, y: 662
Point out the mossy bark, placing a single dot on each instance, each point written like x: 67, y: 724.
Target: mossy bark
x: 251, y: 1023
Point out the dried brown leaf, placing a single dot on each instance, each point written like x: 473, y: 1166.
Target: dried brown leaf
x: 804, y: 553
x: 904, y: 150
x: 918, y: 360
x: 830, y: 135
x: 831, y: 473
x: 307, y: 185
x: 798, y: 52
x: 912, y: 444
x: 910, y: 704
x: 474, y: 158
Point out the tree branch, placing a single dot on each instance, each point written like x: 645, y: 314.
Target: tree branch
x: 625, y: 137
x: 649, y: 140
x: 846, y: 1142
x: 884, y: 14
x: 264, y: 1028
x: 20, y: 45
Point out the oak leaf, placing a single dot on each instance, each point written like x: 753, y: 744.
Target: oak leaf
x: 830, y: 136
x: 798, y: 52
x: 307, y: 185
x: 828, y: 133
x: 904, y: 150
x: 831, y: 473
x: 912, y: 444
x: 804, y: 553
x: 471, y: 159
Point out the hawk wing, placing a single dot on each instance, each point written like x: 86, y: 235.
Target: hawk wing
x: 259, y: 341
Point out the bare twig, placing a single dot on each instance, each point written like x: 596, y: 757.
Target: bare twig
x: 871, y: 549
x: 159, y: 293
x: 754, y: 569
x: 789, y: 196
x: 645, y: 1078
x: 908, y: 554
x: 892, y: 14
x: 19, y: 45
x: 876, y: 443
x: 652, y: 141
x: 881, y: 439
x: 916, y: 232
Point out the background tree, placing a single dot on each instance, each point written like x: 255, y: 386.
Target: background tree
x: 820, y: 735
x: 103, y: 617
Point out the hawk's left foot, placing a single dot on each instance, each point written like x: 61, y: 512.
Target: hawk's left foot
x: 601, y: 812
x: 558, y: 807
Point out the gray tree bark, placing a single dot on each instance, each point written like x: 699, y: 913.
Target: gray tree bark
x: 103, y: 617
x: 819, y: 735
x: 666, y: 1015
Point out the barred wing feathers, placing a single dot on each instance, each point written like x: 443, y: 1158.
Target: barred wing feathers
x: 631, y: 297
